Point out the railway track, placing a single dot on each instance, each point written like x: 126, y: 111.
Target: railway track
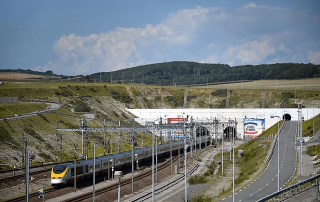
x: 54, y: 192
x: 23, y: 198
x: 124, y: 182
x: 14, y: 177
x: 167, y: 186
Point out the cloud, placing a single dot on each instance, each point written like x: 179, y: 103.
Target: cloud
x: 124, y: 47
x: 250, y: 34
x: 252, y: 52
x: 314, y: 57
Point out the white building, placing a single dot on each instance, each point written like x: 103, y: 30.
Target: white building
x: 244, y: 117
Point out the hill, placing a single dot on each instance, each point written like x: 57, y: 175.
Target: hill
x: 191, y: 73
x: 180, y: 73
x: 105, y: 101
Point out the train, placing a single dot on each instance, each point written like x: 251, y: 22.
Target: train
x: 63, y: 174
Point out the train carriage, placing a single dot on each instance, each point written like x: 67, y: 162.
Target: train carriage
x: 64, y: 173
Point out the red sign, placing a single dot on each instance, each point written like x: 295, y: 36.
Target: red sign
x: 177, y: 120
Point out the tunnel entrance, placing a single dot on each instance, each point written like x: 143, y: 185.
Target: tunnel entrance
x: 203, y: 131
x: 228, y: 131
x: 286, y: 117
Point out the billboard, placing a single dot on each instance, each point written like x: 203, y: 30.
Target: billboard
x: 177, y: 120
x: 253, y: 126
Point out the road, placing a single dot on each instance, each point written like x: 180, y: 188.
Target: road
x: 267, y: 183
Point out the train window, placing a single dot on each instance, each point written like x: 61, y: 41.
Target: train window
x: 87, y: 168
x: 72, y: 171
x: 59, y: 169
x: 105, y: 164
x: 79, y: 170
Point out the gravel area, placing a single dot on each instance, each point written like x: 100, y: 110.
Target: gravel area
x: 193, y: 190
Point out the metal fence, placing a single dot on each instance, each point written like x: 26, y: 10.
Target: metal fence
x: 295, y: 189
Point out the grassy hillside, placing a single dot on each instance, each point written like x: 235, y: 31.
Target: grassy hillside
x: 109, y: 101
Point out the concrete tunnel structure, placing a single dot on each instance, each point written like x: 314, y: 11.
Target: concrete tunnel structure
x: 249, y: 121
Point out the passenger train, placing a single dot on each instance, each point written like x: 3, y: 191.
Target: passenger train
x: 63, y: 174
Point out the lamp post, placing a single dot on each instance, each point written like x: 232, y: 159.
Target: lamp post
x: 222, y: 146
x: 272, y: 116
x: 300, y: 133
x: 119, y: 174
x: 231, y: 125
x: 185, y: 161
x: 94, y: 172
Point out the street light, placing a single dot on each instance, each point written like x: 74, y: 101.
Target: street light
x: 272, y: 116
x: 119, y: 174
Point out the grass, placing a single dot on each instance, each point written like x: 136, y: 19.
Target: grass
x: 7, y: 110
x: 255, y: 152
x: 40, y: 129
x: 202, y: 198
x: 307, y: 126
x: 312, y: 84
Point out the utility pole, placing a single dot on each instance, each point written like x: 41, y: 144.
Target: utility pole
x: 27, y: 175
x: 119, y: 141
x: 23, y: 149
x: 82, y: 130
x: 156, y: 159
x: 132, y: 159
x: 104, y: 137
x: 94, y: 173
x: 222, y: 146
x: 108, y: 160
x: 57, y: 150
x: 171, y: 152
x: 160, y: 130
x: 75, y: 168
x: 185, y: 162
x: 153, y: 133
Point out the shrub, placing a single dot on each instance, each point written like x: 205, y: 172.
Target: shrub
x: 202, y: 198
x: 220, y: 93
x: 197, y: 179
x: 81, y: 106
x: 121, y: 97
x: 31, y: 132
x: 157, y: 98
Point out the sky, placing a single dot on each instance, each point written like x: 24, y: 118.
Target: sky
x: 76, y: 37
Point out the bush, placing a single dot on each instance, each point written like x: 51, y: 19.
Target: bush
x: 220, y: 93
x: 197, y: 179
x: 157, y: 98
x: 81, y: 106
x: 202, y: 198
x: 31, y: 132
x: 121, y: 97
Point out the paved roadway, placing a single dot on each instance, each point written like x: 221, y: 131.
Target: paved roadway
x: 267, y: 183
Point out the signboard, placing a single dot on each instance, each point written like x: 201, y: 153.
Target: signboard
x: 253, y: 126
x: 176, y: 120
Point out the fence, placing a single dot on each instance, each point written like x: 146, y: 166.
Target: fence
x: 292, y: 190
